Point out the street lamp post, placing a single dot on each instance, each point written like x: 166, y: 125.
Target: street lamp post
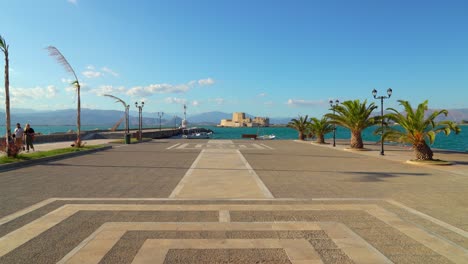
x: 127, y: 117
x: 140, y: 119
x: 334, y: 125
x: 160, y: 114
x: 389, y: 93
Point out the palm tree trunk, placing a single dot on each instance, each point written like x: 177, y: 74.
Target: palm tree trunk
x: 423, y: 151
x: 78, y: 118
x: 321, y: 138
x: 356, y: 139
x: 301, y: 135
x: 7, y: 104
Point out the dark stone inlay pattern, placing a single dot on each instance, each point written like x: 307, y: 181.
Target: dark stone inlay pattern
x: 56, y: 242
x: 128, y: 246
x: 227, y: 256
x: 392, y: 243
x: 33, y: 215
x: 333, y: 256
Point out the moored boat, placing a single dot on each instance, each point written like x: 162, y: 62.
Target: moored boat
x: 197, y: 133
x: 266, y: 137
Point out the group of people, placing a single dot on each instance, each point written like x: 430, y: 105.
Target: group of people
x: 24, y: 135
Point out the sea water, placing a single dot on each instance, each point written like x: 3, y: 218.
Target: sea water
x: 451, y: 142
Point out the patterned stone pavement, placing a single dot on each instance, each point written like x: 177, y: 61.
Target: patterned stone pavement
x: 162, y: 202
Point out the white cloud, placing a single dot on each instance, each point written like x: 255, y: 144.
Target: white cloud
x: 175, y: 100
x: 269, y: 103
x: 261, y: 94
x: 205, y: 82
x: 295, y: 103
x: 74, y: 2
x: 166, y: 88
x: 51, y: 91
x: 107, y: 89
x: 219, y: 101
x: 92, y: 74
x: 136, y: 91
x: 69, y: 89
x: 111, y: 72
x: 195, y: 103
x: 67, y: 81
x: 33, y: 93
x: 90, y: 67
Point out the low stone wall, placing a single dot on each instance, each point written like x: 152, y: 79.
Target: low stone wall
x: 87, y: 135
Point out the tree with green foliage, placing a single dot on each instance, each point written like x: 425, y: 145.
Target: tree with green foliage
x: 300, y: 125
x: 355, y: 116
x: 54, y: 52
x: 418, y: 129
x: 320, y: 127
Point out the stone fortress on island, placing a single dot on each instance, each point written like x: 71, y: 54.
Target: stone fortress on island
x: 239, y: 120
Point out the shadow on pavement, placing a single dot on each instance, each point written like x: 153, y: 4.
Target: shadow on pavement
x: 381, y: 176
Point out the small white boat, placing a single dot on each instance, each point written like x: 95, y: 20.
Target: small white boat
x: 266, y: 137
x: 199, y: 135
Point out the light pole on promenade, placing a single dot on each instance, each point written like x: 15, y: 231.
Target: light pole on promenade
x: 127, y: 117
x: 389, y: 93
x: 140, y: 119
x: 333, y: 105
x: 160, y: 114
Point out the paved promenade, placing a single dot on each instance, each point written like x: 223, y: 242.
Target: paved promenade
x: 241, y: 201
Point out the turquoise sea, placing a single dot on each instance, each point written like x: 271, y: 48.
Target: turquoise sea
x: 452, y: 142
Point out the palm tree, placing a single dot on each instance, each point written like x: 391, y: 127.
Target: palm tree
x: 54, y: 52
x: 126, y: 107
x: 355, y: 116
x: 417, y: 128
x: 4, y: 47
x: 320, y: 127
x: 300, y: 125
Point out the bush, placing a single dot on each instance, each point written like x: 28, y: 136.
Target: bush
x: 13, y: 150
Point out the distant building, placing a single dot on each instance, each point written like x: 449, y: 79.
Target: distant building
x: 239, y: 120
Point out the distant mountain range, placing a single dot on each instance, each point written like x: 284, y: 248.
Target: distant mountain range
x: 110, y: 117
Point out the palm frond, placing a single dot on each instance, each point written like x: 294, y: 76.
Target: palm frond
x: 117, y: 99
x: 431, y: 135
x: 54, y: 52
x: 3, y: 45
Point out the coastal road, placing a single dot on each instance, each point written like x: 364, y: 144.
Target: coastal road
x: 200, y: 201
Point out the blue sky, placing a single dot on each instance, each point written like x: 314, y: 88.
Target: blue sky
x: 267, y: 58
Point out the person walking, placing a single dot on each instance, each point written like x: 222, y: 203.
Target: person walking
x: 29, y: 135
x: 19, y: 134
